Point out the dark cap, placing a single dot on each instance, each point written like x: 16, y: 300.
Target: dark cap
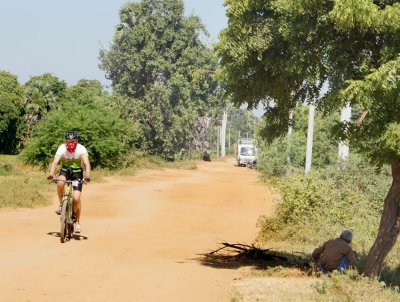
x: 346, y: 235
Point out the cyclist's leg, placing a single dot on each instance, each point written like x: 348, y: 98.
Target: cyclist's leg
x: 60, y: 185
x: 77, y: 209
x: 77, y: 204
x: 77, y: 195
x: 60, y: 191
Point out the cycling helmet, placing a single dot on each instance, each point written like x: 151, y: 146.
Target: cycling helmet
x: 347, y: 235
x: 71, y: 135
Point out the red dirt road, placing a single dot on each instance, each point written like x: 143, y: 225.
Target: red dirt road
x: 141, y: 238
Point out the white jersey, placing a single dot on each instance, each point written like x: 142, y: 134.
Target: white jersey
x: 74, y: 159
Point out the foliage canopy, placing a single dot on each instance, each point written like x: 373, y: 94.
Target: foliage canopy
x: 12, y: 110
x: 281, y: 52
x: 158, y: 61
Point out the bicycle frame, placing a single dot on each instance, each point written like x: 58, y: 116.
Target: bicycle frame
x: 67, y: 218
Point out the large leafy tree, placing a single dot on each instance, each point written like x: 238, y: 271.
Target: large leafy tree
x: 158, y: 61
x: 280, y: 52
x: 12, y: 112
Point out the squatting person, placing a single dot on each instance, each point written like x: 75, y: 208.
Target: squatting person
x: 336, y: 254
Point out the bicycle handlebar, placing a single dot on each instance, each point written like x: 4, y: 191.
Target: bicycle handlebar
x: 55, y: 180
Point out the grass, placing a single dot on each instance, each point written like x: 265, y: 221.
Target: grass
x: 157, y: 163
x: 150, y: 163
x: 21, y: 186
x: 286, y: 284
x: 273, y: 289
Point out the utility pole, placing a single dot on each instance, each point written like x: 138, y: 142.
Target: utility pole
x: 229, y: 140
x: 289, y: 141
x: 218, y: 140
x: 344, y: 149
x: 223, y: 133
x: 310, y: 134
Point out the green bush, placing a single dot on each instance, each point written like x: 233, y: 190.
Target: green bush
x: 108, y: 138
x: 273, y: 158
x: 318, y: 206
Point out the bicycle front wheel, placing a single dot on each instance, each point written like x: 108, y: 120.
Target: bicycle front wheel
x: 63, y: 220
x: 70, y: 218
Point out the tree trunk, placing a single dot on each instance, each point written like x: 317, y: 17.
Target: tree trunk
x: 389, y: 226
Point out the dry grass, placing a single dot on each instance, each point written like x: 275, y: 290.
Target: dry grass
x: 338, y: 288
x: 274, y: 289
x: 277, y: 281
x: 144, y: 164
x: 271, y: 281
x: 21, y: 186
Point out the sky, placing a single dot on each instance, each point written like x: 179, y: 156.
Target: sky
x: 64, y: 37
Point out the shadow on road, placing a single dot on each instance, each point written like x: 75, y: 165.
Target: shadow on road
x: 74, y: 236
x: 233, y: 256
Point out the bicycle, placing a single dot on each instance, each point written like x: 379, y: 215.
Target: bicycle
x: 67, y: 217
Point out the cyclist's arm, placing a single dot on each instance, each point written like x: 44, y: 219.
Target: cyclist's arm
x: 86, y: 163
x: 54, y: 165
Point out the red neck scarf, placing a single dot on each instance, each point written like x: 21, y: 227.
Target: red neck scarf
x: 71, y: 146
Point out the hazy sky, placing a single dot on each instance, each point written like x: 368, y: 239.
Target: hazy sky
x: 64, y: 37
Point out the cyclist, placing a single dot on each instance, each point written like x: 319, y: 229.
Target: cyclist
x: 336, y: 254
x: 72, y: 156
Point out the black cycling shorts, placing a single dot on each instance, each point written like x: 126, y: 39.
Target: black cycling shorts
x: 73, y: 175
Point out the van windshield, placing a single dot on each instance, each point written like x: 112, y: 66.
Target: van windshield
x: 247, y: 151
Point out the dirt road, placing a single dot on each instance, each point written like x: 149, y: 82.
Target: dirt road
x: 141, y: 238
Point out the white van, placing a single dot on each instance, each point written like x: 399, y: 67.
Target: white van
x: 246, y: 152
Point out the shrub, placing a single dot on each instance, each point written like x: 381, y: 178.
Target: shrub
x: 108, y: 138
x: 320, y: 205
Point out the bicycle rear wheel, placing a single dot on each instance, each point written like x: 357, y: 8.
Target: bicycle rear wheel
x: 63, y: 220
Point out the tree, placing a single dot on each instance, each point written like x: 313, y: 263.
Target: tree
x: 284, y: 50
x: 158, y: 61
x: 108, y: 138
x: 42, y: 94
x: 11, y: 113
x: 241, y: 121
x: 86, y: 91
